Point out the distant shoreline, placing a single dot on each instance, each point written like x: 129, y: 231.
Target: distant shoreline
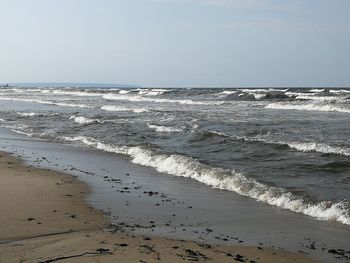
x: 112, y: 85
x: 66, y: 84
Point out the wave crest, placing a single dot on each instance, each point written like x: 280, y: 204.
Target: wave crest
x: 183, y: 166
x: 161, y: 129
x: 158, y: 100
x: 120, y: 108
x: 83, y: 120
x: 308, y: 107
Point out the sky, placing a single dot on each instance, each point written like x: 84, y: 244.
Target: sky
x: 176, y: 43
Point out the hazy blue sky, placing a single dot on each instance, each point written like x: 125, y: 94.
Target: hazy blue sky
x: 176, y: 42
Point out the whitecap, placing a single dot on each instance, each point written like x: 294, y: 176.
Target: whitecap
x: 150, y: 93
x: 121, y: 108
x: 47, y: 102
x: 317, y: 90
x: 308, y: 107
x: 303, y: 146
x: 76, y: 93
x: 158, y: 100
x: 83, y: 120
x: 161, y: 129
x: 228, y: 92
x: 339, y: 91
x: 257, y: 95
x: 27, y: 114
x: 317, y: 147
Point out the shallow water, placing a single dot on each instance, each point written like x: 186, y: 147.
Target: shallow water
x: 288, y: 148
x: 143, y: 201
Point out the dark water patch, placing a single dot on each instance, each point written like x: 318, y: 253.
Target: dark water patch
x: 337, y: 166
x: 278, y: 96
x: 240, y: 96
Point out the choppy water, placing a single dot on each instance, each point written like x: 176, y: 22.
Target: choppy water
x: 285, y: 147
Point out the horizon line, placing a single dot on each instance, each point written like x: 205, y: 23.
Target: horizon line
x: 102, y: 84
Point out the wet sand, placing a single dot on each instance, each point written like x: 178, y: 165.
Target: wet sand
x: 43, y: 218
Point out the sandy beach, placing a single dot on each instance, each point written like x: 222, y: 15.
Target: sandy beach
x: 174, y: 131
x: 43, y: 218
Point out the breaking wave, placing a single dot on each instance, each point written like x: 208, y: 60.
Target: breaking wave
x: 183, y: 166
x: 83, y: 120
x: 120, y: 108
x: 299, y: 146
x: 159, y: 128
x: 318, y: 147
x: 20, y: 129
x: 228, y: 92
x: 339, y: 91
x: 27, y: 114
x: 158, y: 100
x: 308, y: 107
x: 48, y: 102
x: 76, y: 93
x: 303, y: 146
x: 317, y: 90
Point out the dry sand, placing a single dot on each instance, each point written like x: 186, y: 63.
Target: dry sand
x: 43, y: 218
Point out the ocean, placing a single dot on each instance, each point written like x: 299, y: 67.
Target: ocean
x: 288, y: 148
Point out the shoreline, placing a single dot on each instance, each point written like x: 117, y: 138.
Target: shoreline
x: 44, y: 217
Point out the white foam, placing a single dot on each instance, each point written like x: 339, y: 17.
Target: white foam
x: 83, y: 120
x: 179, y: 165
x: 157, y: 100
x: 153, y: 92
x: 24, y: 90
x: 22, y: 132
x: 318, y: 147
x: 308, y: 107
x: 254, y: 90
x: 300, y: 146
x: 120, y: 108
x: 281, y: 90
x: 161, y: 129
x: 194, y: 126
x: 339, y: 91
x: 317, y: 96
x: 26, y: 114
x: 290, y: 93
x: 262, y: 90
x: 96, y: 144
x: 320, y: 98
x: 20, y: 129
x: 2, y: 120
x: 150, y: 92
x: 47, y: 102
x: 45, y: 91
x: 76, y: 93
x: 303, y: 146
x: 69, y: 104
x: 257, y: 95
x: 162, y: 90
x: 124, y: 91
x: 229, y: 92
x: 317, y: 90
